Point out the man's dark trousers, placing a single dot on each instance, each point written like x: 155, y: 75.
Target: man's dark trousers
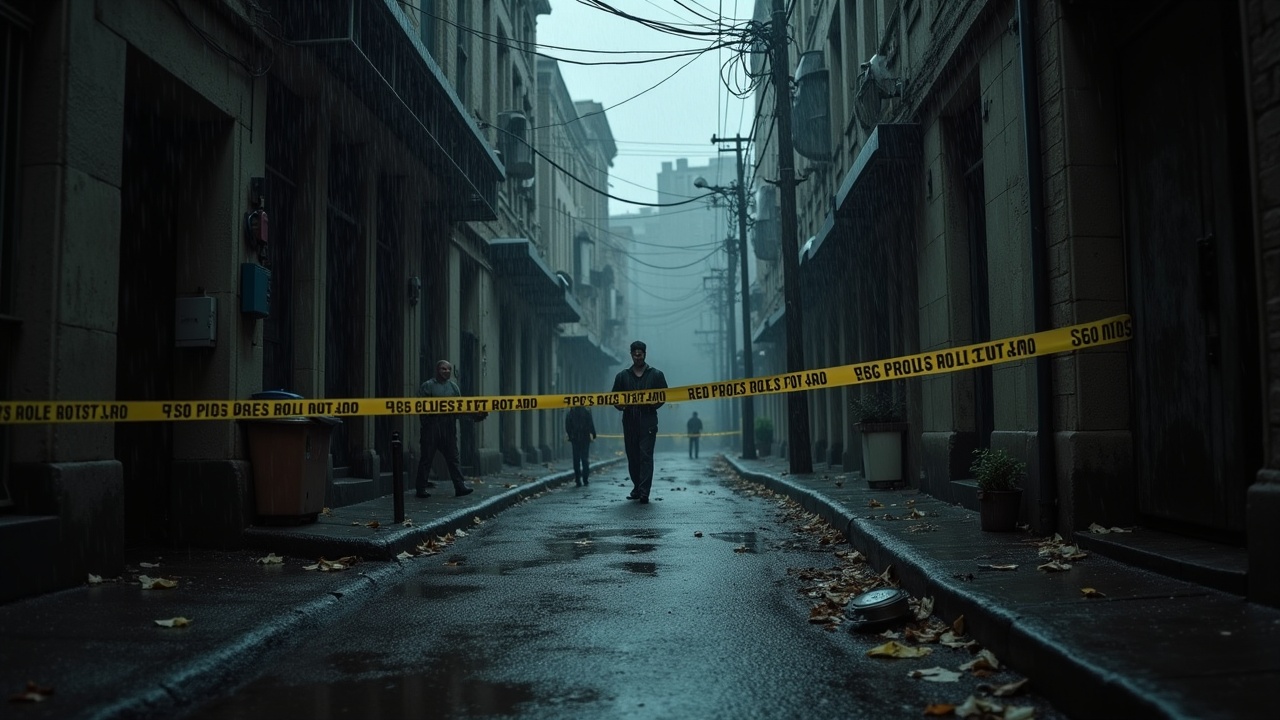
x: 581, y: 467
x: 640, y: 435
x: 438, y: 436
x: 693, y: 446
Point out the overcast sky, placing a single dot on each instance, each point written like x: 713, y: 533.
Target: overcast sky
x: 678, y: 117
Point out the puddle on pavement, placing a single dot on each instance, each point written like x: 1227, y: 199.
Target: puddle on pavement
x: 747, y: 540
x: 640, y: 568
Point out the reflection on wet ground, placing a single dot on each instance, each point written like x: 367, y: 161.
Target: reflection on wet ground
x: 746, y: 540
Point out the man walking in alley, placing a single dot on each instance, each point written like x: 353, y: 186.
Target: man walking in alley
x: 694, y: 429
x: 640, y: 420
x: 581, y: 430
x: 439, y: 432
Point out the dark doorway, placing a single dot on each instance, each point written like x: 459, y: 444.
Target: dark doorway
x: 1189, y: 240
x: 172, y: 138
x: 345, y: 288
x: 284, y: 116
x: 389, y: 318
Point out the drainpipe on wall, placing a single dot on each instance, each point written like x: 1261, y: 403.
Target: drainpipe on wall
x: 1046, y: 520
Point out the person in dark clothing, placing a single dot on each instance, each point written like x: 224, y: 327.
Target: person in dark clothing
x: 439, y: 433
x: 581, y: 430
x: 694, y: 428
x: 640, y: 420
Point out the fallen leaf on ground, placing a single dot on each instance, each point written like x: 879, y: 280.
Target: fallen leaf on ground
x: 408, y: 522
x: 32, y: 693
x: 94, y: 579
x: 874, y: 503
x: 148, y: 565
x: 1012, y: 688
x: 939, y: 709
x: 1092, y: 593
x: 373, y: 524
x: 341, y: 563
x: 452, y: 563
x: 986, y: 660
x: 476, y: 520
x: 924, y: 609
x: 999, y: 567
x: 326, y: 512
x: 460, y: 533
x: 1054, y: 566
x: 156, y: 583
x: 957, y: 625
x: 583, y: 543
x: 895, y: 649
x: 1097, y: 529
x: 697, y: 533
x: 742, y: 549
x: 271, y: 559
x: 935, y: 674
x: 973, y: 706
x: 176, y: 622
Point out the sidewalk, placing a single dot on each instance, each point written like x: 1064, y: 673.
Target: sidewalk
x: 1152, y: 647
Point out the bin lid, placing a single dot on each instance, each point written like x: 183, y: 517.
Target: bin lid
x: 275, y: 395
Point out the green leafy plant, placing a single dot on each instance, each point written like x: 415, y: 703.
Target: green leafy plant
x: 877, y: 406
x: 764, y: 430
x: 996, y: 469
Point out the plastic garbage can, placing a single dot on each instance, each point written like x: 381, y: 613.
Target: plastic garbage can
x: 290, y: 462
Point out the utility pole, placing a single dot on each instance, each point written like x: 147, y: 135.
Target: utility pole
x: 799, y: 453
x: 748, y: 406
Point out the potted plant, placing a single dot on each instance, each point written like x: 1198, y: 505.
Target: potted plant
x: 881, y: 419
x: 998, y: 475
x: 764, y: 435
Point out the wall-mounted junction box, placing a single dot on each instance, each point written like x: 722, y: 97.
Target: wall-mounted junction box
x: 196, y: 322
x: 255, y: 290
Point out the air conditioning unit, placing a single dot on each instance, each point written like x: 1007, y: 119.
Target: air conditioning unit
x: 811, y: 108
x: 513, y: 143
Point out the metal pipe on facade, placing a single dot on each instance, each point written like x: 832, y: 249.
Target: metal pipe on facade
x: 1047, y: 508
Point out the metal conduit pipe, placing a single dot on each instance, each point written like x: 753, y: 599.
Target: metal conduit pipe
x: 1047, y: 508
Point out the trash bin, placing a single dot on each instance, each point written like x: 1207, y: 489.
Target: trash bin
x: 290, y: 461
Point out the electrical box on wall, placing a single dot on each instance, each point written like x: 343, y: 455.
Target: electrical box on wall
x: 196, y: 322
x: 255, y: 290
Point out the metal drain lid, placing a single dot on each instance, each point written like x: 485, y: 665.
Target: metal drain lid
x: 877, y: 609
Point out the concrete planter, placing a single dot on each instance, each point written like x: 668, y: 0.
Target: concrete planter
x: 882, y: 453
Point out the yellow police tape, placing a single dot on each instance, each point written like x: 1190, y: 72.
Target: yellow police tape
x: 1076, y: 337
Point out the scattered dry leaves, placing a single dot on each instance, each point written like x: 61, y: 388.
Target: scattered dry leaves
x: 271, y: 559
x: 895, y: 649
x: 935, y: 674
x: 341, y: 563
x: 1092, y: 593
x: 149, y: 583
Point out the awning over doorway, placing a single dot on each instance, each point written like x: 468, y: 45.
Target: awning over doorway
x: 874, y: 187
x: 773, y: 329
x: 520, y: 268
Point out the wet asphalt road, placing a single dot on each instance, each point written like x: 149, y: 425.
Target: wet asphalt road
x: 582, y: 604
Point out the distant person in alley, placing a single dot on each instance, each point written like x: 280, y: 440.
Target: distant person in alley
x: 640, y: 420
x: 581, y: 430
x: 439, y: 433
x: 694, y: 429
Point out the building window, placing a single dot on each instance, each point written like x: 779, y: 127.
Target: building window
x: 11, y: 59
x: 427, y: 26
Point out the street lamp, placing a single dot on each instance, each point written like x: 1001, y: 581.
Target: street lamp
x: 739, y: 197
